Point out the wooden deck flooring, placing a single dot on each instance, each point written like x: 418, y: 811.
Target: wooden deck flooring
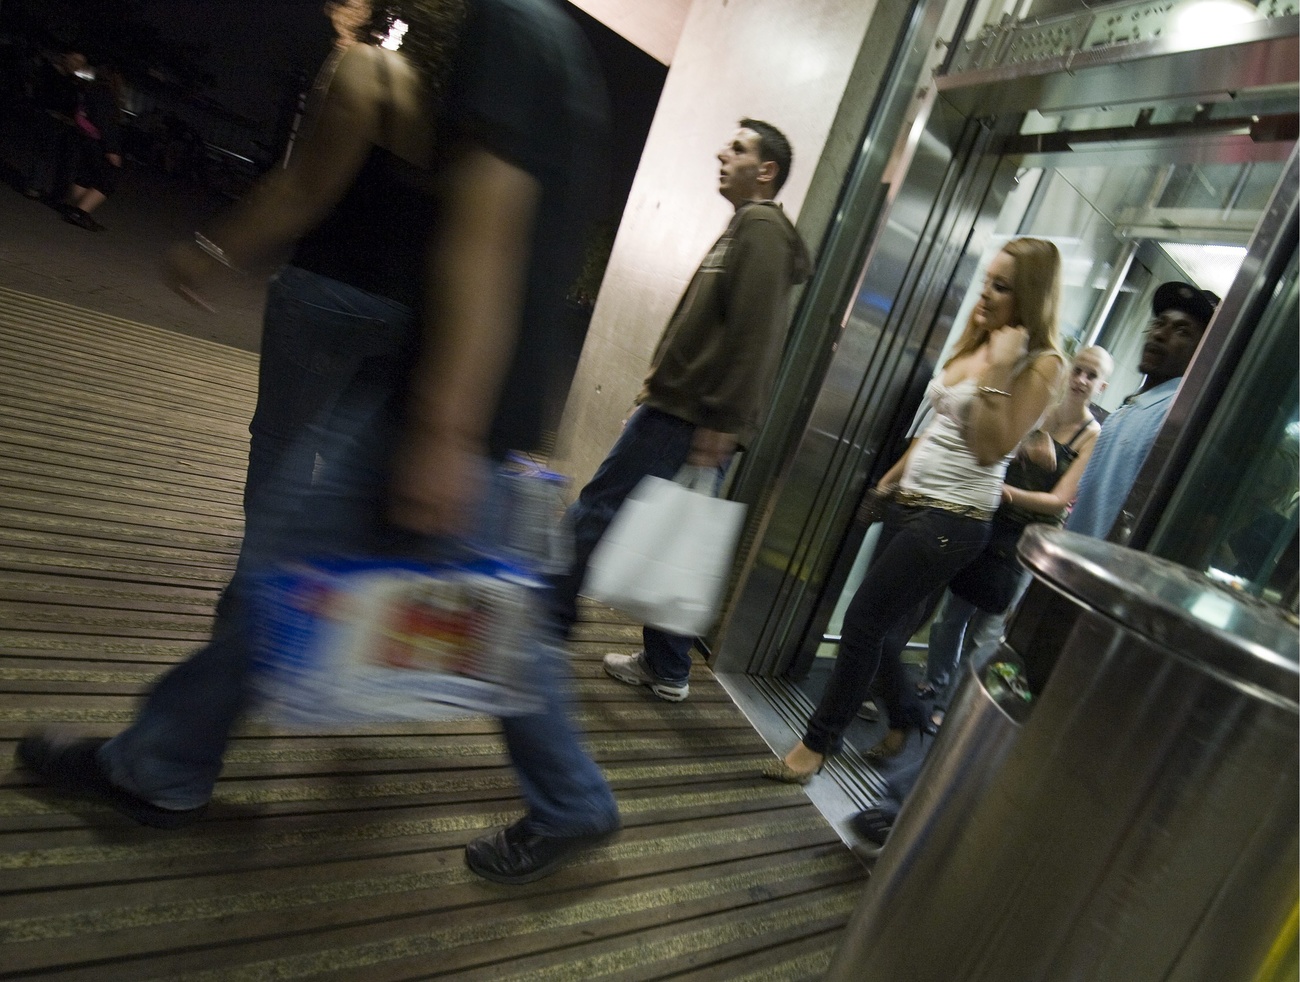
x: 331, y: 856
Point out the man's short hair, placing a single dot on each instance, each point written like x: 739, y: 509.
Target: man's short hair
x: 772, y: 145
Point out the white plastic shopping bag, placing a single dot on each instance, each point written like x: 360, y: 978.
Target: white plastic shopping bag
x: 666, y: 556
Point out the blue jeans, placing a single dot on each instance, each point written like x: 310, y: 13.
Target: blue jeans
x: 960, y: 627
x: 652, y: 444
x: 919, y: 551
x: 171, y: 755
x: 319, y: 338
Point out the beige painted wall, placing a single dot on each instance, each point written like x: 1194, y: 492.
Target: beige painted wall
x: 782, y: 61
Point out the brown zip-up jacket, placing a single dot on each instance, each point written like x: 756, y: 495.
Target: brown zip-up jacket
x: 717, y: 359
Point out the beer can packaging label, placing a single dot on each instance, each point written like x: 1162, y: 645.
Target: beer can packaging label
x: 344, y: 642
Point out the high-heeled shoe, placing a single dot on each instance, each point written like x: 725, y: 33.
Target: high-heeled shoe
x: 779, y: 770
x: 893, y: 744
x: 895, y: 741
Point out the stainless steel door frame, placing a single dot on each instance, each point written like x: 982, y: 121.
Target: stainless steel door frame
x: 890, y: 338
x: 950, y: 184
x: 818, y: 321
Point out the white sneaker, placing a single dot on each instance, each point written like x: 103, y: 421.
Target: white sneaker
x: 633, y: 670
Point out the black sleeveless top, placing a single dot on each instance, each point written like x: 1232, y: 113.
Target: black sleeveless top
x: 375, y: 238
x: 1023, y: 472
x: 522, y: 84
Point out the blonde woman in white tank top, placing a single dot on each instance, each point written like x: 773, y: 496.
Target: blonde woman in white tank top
x: 993, y: 390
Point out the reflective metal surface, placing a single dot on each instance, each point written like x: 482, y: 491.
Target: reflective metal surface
x: 817, y: 324
x: 1221, y: 630
x: 1166, y: 66
x: 1140, y: 825
x: 1106, y: 184
x: 891, y: 336
x: 810, y: 475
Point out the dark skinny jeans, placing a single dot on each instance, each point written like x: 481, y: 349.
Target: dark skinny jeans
x: 919, y: 552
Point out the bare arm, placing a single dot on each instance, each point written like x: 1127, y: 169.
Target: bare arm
x: 1007, y: 408
x: 1063, y: 492
x: 478, y: 274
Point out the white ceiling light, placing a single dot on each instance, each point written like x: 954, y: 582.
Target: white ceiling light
x: 1211, y: 267
x: 1204, y: 20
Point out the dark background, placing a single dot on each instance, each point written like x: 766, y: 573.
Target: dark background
x: 239, y: 66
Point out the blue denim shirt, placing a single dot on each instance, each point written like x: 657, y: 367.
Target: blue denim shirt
x: 1122, y: 447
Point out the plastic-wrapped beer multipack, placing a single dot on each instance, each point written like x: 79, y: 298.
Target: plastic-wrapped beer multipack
x: 364, y: 640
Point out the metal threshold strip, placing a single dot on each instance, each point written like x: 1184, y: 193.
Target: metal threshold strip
x: 777, y: 709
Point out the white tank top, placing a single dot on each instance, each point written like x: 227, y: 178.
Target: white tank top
x: 941, y: 465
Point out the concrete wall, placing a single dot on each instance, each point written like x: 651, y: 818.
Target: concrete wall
x: 786, y: 62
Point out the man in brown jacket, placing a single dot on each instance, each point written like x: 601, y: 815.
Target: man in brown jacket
x: 709, y: 382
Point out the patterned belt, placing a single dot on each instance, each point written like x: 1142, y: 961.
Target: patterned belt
x: 913, y: 499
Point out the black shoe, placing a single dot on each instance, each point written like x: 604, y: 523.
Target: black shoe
x: 869, y: 711
x: 515, y: 855
x: 874, y: 824
x: 72, y: 766
x: 82, y: 220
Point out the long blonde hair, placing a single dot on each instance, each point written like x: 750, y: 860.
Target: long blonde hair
x: 1036, y: 294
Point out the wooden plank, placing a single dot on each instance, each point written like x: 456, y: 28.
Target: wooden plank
x: 331, y: 855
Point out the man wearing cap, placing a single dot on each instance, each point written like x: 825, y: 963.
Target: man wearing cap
x: 1181, y: 314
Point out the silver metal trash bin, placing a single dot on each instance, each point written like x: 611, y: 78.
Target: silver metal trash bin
x: 1139, y: 824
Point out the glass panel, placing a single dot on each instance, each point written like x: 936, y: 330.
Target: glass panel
x: 1234, y: 513
x: 1112, y: 264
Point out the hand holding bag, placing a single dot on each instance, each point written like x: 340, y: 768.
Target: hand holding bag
x: 666, y: 556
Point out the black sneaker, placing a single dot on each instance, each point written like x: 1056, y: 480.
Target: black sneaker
x: 515, y: 855
x: 72, y: 766
x: 874, y: 824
